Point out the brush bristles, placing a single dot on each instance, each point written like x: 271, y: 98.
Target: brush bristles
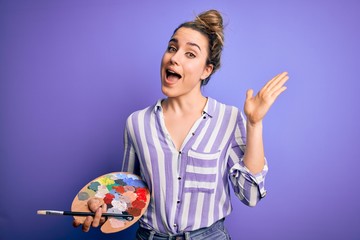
x: 41, y: 212
x: 50, y: 212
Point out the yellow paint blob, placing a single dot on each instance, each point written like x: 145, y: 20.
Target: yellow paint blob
x: 106, y: 181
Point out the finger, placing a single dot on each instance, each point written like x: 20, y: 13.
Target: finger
x: 97, y: 217
x: 86, y: 225
x: 249, y: 94
x: 102, y: 220
x: 271, y: 80
x: 274, y: 80
x: 104, y: 210
x: 94, y: 204
x: 278, y: 83
x: 278, y: 92
x: 76, y: 223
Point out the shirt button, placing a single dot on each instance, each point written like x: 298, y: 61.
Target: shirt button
x: 175, y: 225
x: 179, y: 178
x: 204, y: 117
x: 178, y: 201
x: 193, y: 134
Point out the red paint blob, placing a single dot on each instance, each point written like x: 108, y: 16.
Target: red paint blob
x: 134, y: 211
x: 141, y: 192
x: 108, y: 198
x: 138, y: 204
x: 119, y: 189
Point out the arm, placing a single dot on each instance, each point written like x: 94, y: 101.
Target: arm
x: 248, y: 187
x: 254, y: 158
x: 130, y: 161
x: 255, y: 109
x: 248, y: 165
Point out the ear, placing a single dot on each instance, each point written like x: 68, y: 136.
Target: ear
x: 207, y: 71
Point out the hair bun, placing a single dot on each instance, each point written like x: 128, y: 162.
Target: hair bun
x: 213, y: 21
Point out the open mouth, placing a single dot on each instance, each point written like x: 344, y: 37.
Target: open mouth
x: 171, y: 75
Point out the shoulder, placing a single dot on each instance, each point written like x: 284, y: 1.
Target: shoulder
x: 226, y: 114
x: 142, y: 113
x: 217, y: 107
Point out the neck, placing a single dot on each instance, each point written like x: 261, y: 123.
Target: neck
x: 178, y: 105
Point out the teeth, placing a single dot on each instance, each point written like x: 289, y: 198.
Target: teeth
x: 172, y: 73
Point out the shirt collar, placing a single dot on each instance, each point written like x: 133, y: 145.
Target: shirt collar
x: 158, y: 105
x: 209, y: 107
x: 208, y: 110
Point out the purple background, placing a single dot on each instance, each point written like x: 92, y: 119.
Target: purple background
x: 72, y: 71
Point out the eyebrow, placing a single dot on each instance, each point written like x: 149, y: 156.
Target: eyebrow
x: 188, y: 43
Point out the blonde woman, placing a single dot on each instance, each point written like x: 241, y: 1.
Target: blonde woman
x: 189, y: 148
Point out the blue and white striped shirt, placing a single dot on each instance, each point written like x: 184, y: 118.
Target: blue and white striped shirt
x: 190, y: 189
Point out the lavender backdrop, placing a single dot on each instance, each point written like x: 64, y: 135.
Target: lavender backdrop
x: 72, y: 71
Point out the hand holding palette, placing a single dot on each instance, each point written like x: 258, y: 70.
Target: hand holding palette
x: 125, y: 195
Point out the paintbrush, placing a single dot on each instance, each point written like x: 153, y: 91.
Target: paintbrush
x: 84, y: 214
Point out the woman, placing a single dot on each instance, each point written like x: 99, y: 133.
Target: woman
x: 187, y: 146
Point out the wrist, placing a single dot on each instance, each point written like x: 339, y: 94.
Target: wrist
x: 254, y: 124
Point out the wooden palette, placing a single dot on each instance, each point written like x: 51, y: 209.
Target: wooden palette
x: 124, y: 193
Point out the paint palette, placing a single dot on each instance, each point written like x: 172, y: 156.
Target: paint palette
x: 124, y: 193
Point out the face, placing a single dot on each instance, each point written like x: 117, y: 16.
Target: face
x: 183, y: 65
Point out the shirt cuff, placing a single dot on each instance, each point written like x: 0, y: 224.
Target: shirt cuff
x: 258, y: 179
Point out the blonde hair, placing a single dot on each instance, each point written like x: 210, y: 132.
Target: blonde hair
x: 209, y: 23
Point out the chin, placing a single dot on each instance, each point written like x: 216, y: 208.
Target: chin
x: 169, y: 92
x: 166, y: 92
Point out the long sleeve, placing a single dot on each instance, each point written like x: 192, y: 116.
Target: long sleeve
x: 130, y: 160
x: 249, y: 188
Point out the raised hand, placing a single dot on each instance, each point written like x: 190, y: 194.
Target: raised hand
x: 256, y: 107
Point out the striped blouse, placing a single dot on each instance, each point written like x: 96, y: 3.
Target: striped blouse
x: 190, y: 188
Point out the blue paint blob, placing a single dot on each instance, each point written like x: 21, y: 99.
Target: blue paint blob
x: 134, y: 182
x: 82, y: 196
x: 121, y: 175
x: 120, y: 182
x: 94, y: 186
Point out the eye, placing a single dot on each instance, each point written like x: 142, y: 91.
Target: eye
x: 190, y: 55
x: 171, y: 49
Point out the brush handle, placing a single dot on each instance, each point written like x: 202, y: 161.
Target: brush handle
x: 127, y: 217
x: 116, y: 215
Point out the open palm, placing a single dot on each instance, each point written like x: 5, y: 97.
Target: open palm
x: 257, y: 106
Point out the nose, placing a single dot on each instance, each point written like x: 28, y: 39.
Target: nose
x: 175, y: 58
